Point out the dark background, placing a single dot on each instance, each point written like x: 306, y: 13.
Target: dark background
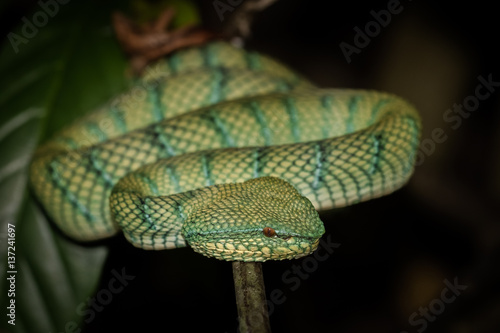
x: 395, y: 252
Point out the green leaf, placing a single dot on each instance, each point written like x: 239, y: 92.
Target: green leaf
x: 186, y: 12
x: 49, y: 76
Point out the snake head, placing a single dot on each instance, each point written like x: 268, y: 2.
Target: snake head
x: 257, y: 220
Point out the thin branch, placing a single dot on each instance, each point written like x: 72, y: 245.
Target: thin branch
x: 250, y: 297
x: 152, y: 41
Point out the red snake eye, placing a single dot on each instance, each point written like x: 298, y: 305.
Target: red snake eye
x: 269, y: 232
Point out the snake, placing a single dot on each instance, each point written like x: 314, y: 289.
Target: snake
x: 227, y: 151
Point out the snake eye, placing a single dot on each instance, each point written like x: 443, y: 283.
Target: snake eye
x: 269, y: 232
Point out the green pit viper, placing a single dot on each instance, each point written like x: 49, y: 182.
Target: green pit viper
x: 225, y: 150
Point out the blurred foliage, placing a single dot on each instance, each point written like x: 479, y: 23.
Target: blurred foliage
x: 186, y: 12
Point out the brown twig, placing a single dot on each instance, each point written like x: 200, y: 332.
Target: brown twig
x: 250, y: 297
x: 152, y: 41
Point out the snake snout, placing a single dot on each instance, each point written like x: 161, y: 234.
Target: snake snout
x: 257, y: 220
x: 255, y: 244
x: 252, y: 247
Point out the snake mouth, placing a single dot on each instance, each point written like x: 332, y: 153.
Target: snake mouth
x: 230, y: 249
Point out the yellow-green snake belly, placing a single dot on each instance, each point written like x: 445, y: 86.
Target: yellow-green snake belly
x: 219, y: 148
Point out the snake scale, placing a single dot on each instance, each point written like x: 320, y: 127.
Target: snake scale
x: 228, y: 151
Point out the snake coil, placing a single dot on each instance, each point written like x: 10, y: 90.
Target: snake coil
x: 227, y: 150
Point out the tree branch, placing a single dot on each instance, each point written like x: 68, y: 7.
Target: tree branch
x: 250, y: 297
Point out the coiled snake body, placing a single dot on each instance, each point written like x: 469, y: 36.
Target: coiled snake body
x: 226, y: 150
